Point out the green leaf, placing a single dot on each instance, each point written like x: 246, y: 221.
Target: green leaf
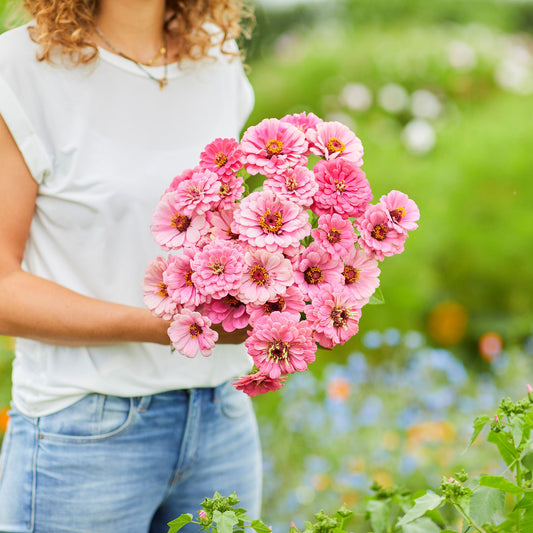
x: 479, y: 423
x: 379, y: 512
x: 260, y: 527
x: 517, y: 429
x: 500, y: 483
x: 179, y: 522
x: 507, y: 450
x: 377, y: 298
x: 428, y: 502
x: 225, y: 521
x: 422, y: 525
x: 484, y: 502
x: 527, y: 458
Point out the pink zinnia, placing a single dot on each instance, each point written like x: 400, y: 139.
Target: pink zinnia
x: 291, y: 303
x: 303, y: 121
x: 222, y: 156
x: 361, y: 275
x: 217, y: 269
x: 178, y: 278
x: 230, y: 191
x: 273, y: 146
x: 172, y: 228
x: 228, y: 311
x: 269, y: 222
x: 335, y: 234
x: 155, y: 291
x: 378, y: 234
x: 220, y: 222
x: 265, y: 276
x: 316, y: 269
x: 342, y: 188
x: 332, y: 140
x: 185, y: 175
x: 297, y: 185
x: 402, y: 210
x: 334, y: 316
x: 190, y: 333
x: 280, y: 344
x: 199, y: 193
x: 258, y: 383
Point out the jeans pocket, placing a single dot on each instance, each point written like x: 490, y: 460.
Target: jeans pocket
x: 234, y: 403
x: 94, y: 418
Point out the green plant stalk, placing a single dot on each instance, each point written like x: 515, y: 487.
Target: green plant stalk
x: 468, y: 518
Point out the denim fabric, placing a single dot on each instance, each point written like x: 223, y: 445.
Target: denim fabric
x: 108, y: 464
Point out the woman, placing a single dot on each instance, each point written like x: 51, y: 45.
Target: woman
x: 102, y: 102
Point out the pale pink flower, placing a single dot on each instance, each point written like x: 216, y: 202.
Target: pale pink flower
x: 317, y: 268
x: 265, y: 276
x: 172, y: 228
x: 303, y: 121
x: 217, y: 269
x: 335, y: 234
x: 220, y: 222
x: 228, y: 311
x: 185, y: 175
x: 332, y: 140
x: 258, y: 383
x: 273, y: 146
x: 402, y: 210
x: 155, y: 291
x: 342, y: 188
x: 378, y: 235
x: 334, y: 316
x: 178, y: 278
x: 190, y: 333
x: 295, y: 184
x: 290, y: 302
x: 222, y: 156
x: 361, y: 275
x: 280, y: 344
x: 272, y: 223
x: 199, y: 193
x: 230, y: 191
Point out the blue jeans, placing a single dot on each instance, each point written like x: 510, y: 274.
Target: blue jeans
x: 108, y: 464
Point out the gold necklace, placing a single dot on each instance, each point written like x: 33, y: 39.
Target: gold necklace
x: 163, y: 82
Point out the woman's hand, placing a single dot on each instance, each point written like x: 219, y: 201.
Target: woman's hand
x: 234, y: 337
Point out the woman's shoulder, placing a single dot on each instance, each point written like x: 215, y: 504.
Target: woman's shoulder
x: 16, y: 47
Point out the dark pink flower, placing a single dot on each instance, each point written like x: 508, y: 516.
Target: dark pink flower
x: 155, y: 291
x: 295, y: 184
x: 291, y: 302
x: 178, y: 278
x: 280, y: 344
x: 199, y: 193
x: 333, y: 140
x: 228, y: 311
x: 258, y: 383
x: 190, y: 333
x: 231, y: 190
x: 335, y: 234
x: 403, y: 211
x: 222, y: 156
x: 342, y: 188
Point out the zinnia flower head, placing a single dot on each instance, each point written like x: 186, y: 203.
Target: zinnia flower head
x: 342, y: 188
x: 333, y: 140
x: 172, y: 228
x: 220, y: 221
x: 265, y: 276
x: 228, y: 311
x: 291, y: 302
x: 258, y: 383
x: 403, y: 211
x: 222, y: 156
x: 378, y: 235
x: 155, y: 291
x: 185, y: 175
x: 199, y: 193
x: 335, y: 234
x: 361, y: 274
x: 190, y: 333
x: 317, y: 268
x: 266, y: 221
x: 334, y: 316
x: 178, y: 278
x: 295, y: 184
x: 217, y: 269
x: 230, y: 191
x: 280, y: 344
x: 303, y: 121
x: 273, y: 146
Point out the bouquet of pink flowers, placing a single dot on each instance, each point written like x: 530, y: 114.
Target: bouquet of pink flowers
x: 294, y: 260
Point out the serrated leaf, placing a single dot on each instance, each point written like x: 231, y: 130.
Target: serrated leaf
x: 260, y: 527
x: 479, y: 423
x: 379, y: 513
x: 179, y: 522
x: 427, y: 502
x: 484, y: 502
x: 506, y: 449
x: 225, y: 521
x: 500, y: 483
x: 377, y: 298
x: 422, y: 525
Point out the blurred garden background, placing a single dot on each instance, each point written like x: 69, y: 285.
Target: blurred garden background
x: 441, y: 94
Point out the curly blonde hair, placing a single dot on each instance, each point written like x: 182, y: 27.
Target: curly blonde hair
x: 68, y: 26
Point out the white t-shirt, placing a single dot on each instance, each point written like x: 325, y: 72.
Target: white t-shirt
x: 103, y: 142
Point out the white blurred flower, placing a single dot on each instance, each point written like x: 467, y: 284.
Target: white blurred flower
x: 515, y: 71
x: 461, y: 55
x: 341, y: 117
x: 393, y: 98
x: 419, y: 136
x: 356, y: 96
x: 424, y: 104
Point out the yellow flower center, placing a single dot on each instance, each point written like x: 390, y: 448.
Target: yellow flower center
x: 274, y: 147
x: 270, y: 307
x: 340, y: 185
x: 340, y: 316
x: 278, y: 350
x: 188, y: 278
x: 314, y: 275
x: 335, y: 145
x: 225, y: 189
x: 194, y: 330
x: 291, y: 184
x: 334, y: 236
x: 163, y: 292
x: 271, y: 222
x: 180, y: 222
x: 351, y: 274
x: 397, y: 214
x: 259, y: 275
x: 217, y: 268
x: 221, y: 159
x: 231, y: 301
x: 379, y: 232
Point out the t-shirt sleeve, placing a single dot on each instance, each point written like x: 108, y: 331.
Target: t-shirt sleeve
x: 27, y: 140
